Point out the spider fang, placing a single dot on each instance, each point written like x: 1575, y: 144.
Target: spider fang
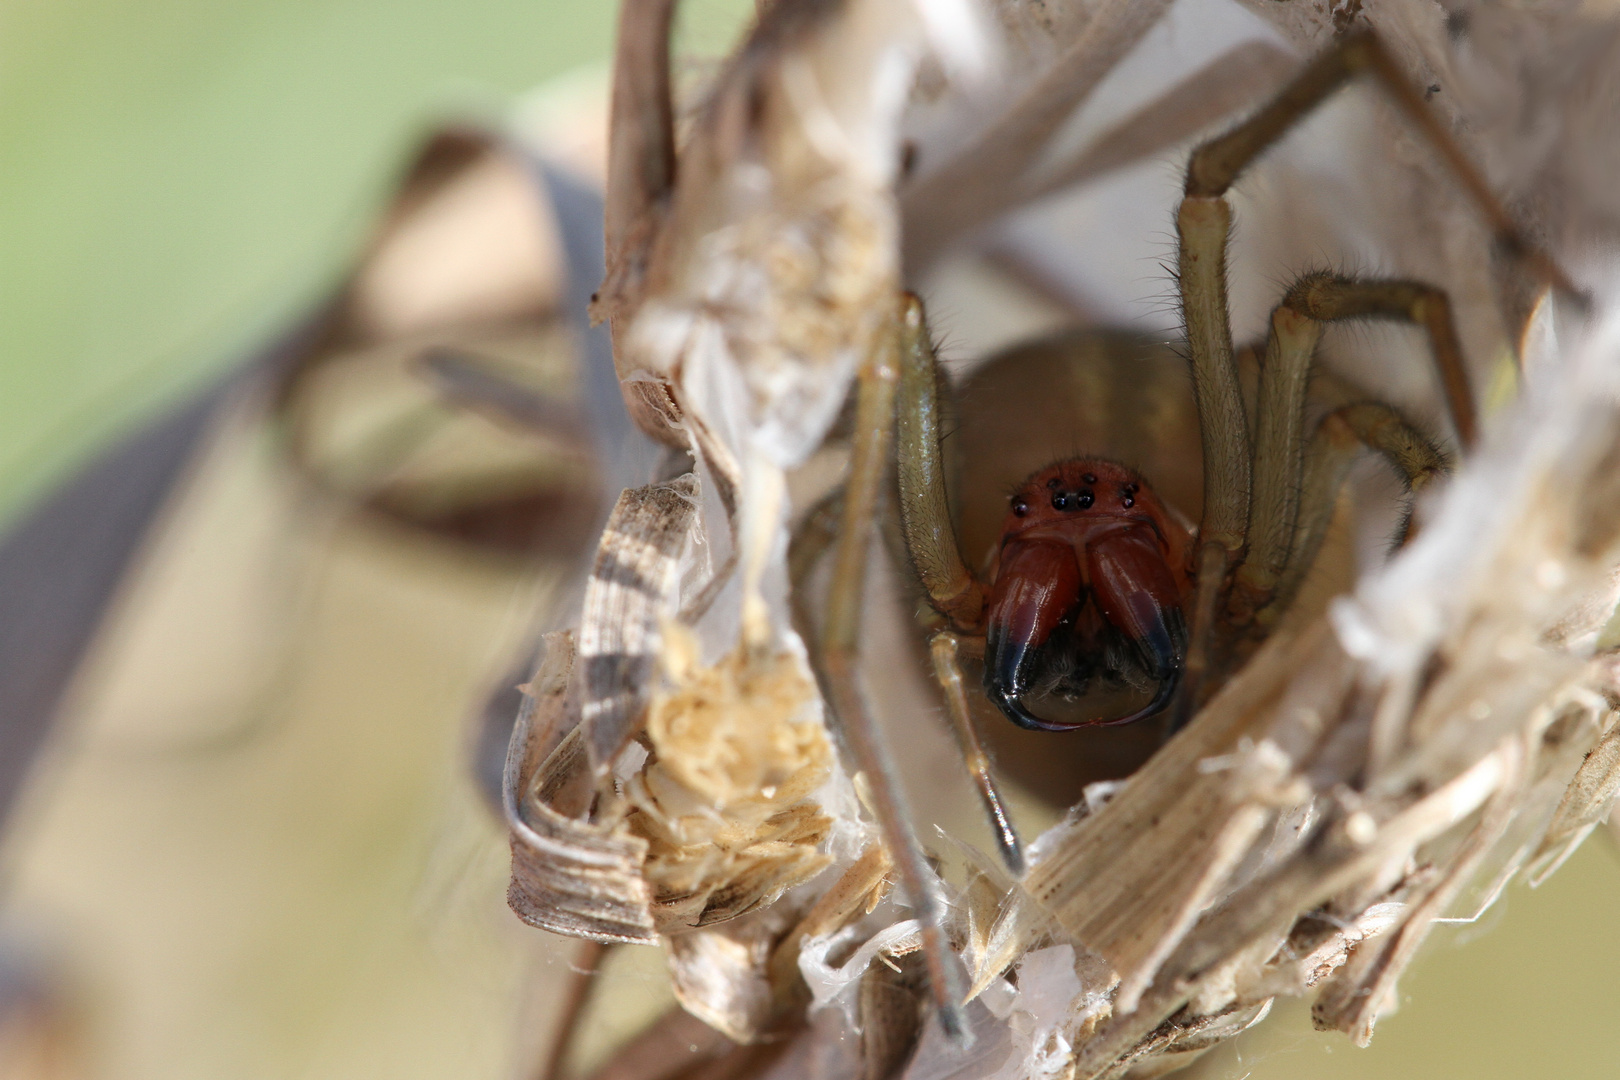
x: 1092, y: 589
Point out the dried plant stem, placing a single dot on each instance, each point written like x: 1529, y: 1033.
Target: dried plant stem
x: 978, y: 183
x: 585, y: 969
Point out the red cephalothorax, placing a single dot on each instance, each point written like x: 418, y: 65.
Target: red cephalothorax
x: 1088, y: 583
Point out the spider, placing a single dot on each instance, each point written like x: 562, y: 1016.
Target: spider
x: 1095, y: 582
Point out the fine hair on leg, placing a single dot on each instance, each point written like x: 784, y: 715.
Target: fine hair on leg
x: 1203, y: 224
x: 1339, y: 439
x: 837, y: 667
x: 1296, y: 326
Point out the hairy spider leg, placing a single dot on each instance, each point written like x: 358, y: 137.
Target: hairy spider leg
x: 1203, y: 225
x: 1279, y: 418
x: 953, y: 589
x: 837, y: 667
x: 943, y: 648
x: 1279, y: 441
x: 811, y: 539
x: 1332, y: 298
x: 925, y: 514
x: 1340, y: 437
x: 1216, y: 165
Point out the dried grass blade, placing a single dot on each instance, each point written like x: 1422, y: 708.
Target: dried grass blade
x: 569, y: 876
x: 972, y: 187
x: 630, y: 591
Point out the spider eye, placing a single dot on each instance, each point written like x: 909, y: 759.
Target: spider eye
x: 1020, y: 507
x: 1089, y: 478
x: 1072, y: 500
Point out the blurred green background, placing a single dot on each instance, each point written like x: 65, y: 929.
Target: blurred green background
x: 180, y: 178
x: 1529, y: 991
